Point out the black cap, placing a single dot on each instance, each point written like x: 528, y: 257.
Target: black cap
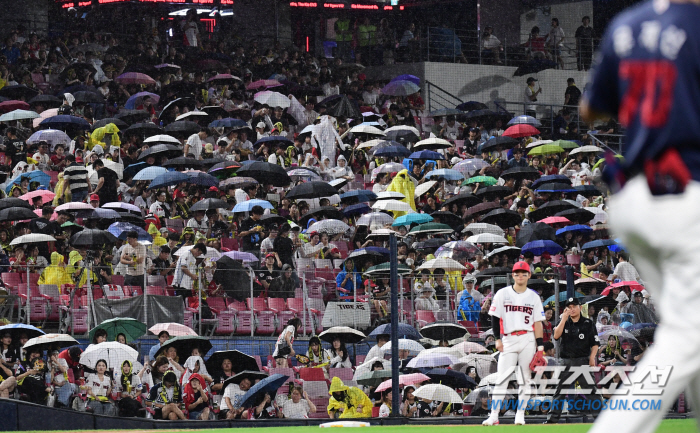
x: 572, y: 301
x: 531, y: 79
x: 637, y: 293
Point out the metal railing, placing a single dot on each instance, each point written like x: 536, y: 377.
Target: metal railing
x: 439, y: 97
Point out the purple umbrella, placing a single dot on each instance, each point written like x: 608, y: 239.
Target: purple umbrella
x: 137, y: 98
x: 401, y: 88
x: 239, y: 255
x: 407, y: 77
x: 134, y: 78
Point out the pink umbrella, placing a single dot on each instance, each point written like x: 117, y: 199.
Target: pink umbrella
x: 224, y: 78
x: 633, y: 285
x: 45, y: 115
x: 470, y: 347
x: 263, y: 83
x: 46, y: 196
x: 174, y: 329
x: 555, y: 220
x: 134, y: 78
x: 53, y: 217
x: 75, y: 206
x: 404, y: 380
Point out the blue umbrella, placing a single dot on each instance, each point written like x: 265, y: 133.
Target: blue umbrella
x: 120, y: 230
x: 539, y: 247
x: 51, y: 136
x: 229, y: 122
x: 406, y: 77
x: 550, y: 178
x: 524, y: 120
x: 202, y: 179
x: 16, y: 329
x: 407, y: 220
x: 361, y: 195
x: 401, y: 88
x: 168, y: 179
x: 574, y: 228
x: 138, y: 98
x: 598, y: 243
x: 405, y: 331
x: 562, y: 297
x: 451, y: 378
x: 426, y: 154
x: 555, y: 189
x: 247, y: 206
x: 135, y: 168
x: 446, y: 174
x: 33, y: 176
x: 150, y: 173
x: 393, y: 151
x: 64, y: 121
x: 268, y: 385
x: 379, y: 250
x: 356, y: 209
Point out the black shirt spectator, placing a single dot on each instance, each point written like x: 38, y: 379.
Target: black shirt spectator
x: 15, y: 148
x: 283, y: 246
x: 251, y: 230
x: 107, y: 184
x: 572, y: 95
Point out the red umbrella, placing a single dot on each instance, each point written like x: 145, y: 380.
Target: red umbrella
x: 521, y: 130
x: 263, y: 83
x: 555, y: 220
x: 134, y: 78
x: 7, y: 106
x: 633, y: 285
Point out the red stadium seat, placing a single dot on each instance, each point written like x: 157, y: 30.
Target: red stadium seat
x: 226, y: 322
x: 344, y: 374
x: 282, y: 318
x: 265, y: 323
x: 311, y: 374
x: 237, y: 305
x: 296, y: 305
x: 316, y: 388
x: 258, y: 304
x: 245, y: 322
x: 277, y: 304
x: 118, y: 279
x: 216, y: 304
x: 424, y: 317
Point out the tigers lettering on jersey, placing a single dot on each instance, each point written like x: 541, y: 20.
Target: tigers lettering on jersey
x: 518, y: 308
x: 517, y: 311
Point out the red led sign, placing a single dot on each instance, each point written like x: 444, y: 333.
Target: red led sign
x: 366, y: 7
x: 303, y: 4
x: 334, y: 5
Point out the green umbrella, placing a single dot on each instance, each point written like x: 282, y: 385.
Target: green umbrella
x: 546, y: 149
x: 374, y: 378
x: 484, y: 180
x: 602, y: 160
x: 131, y: 328
x: 565, y: 144
x: 383, y: 270
x: 432, y: 228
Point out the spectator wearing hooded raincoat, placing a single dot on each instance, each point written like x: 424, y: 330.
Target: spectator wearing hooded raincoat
x: 469, y: 308
x: 403, y: 184
x: 348, y: 401
x: 349, y: 278
x: 55, y: 273
x: 105, y: 136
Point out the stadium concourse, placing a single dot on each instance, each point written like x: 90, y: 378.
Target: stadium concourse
x: 211, y: 210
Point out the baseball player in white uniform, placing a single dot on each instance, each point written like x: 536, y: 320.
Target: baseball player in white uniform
x: 516, y: 316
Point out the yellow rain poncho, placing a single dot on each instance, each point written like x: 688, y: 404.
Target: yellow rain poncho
x: 354, y: 398
x: 98, y: 137
x: 73, y: 258
x: 62, y: 190
x: 404, y: 185
x: 55, y: 273
x: 158, y: 240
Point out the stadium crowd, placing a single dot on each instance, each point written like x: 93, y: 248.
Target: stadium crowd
x: 153, y: 166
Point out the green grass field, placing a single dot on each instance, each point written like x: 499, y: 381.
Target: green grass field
x: 667, y: 426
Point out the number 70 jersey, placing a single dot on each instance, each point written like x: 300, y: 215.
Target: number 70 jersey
x: 517, y: 311
x: 647, y: 73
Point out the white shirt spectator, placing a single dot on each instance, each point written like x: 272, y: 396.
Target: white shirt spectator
x: 189, y: 262
x: 296, y: 410
x: 626, y: 271
x: 240, y: 196
x: 199, y: 226
x: 275, y: 159
x: 491, y: 42
x: 157, y: 209
x: 384, y: 411
x: 329, y: 90
x: 196, y: 145
x: 378, y: 187
x: 234, y: 393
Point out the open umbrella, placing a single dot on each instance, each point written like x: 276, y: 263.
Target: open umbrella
x: 131, y: 328
x: 470, y: 347
x: 524, y: 120
x: 327, y: 212
x: 413, y: 347
x: 16, y: 214
x: 344, y: 333
x: 248, y: 205
x: 469, y: 167
x: 18, y: 115
x: 534, y: 232
x: 451, y: 378
x: 411, y: 218
x: 444, y: 174
x: 18, y: 91
x: 245, y: 374
x: 92, y: 238
x: 431, y: 144
x: 481, y: 180
x: 520, y: 130
x: 545, y: 149
x: 457, y: 250
x: 383, y: 270
x: 267, y: 385
x: 503, y: 218
x: 272, y: 99
x: 579, y: 216
x: 574, y: 228
x: 112, y: 352
x: 492, y: 192
x: 400, y: 88
x: 479, y: 228
x: 311, y: 190
x: 404, y: 380
x: 355, y: 196
x: 119, y: 123
x: 375, y: 219
x: 174, y: 329
x: 495, y: 142
x: 32, y: 238
x: 405, y: 331
x: 431, y: 228
x: 120, y: 230
x: 487, y: 238
x: 443, y: 331
x: 519, y: 173
x: 134, y: 78
x: 169, y: 178
x: 373, y: 378
x: 17, y: 329
x: 447, y: 264
x: 51, y: 136
x: 64, y: 121
x: 539, y: 247
x: 185, y: 344
x: 266, y: 173
x: 634, y: 286
x: 48, y: 341
x: 240, y: 360
x: 145, y: 129
x: 511, y: 252
x: 432, y: 361
x: 484, y: 364
x: 182, y: 128
x: 330, y: 226
x: 32, y: 176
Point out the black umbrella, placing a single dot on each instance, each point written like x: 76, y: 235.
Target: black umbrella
x: 14, y: 202
x: 237, y: 182
x: 550, y: 208
x: 16, y: 214
x: 343, y: 333
x: 77, y: 68
x: 143, y: 129
x: 169, y: 150
x: 131, y: 218
x: 273, y: 218
x: 482, y: 208
x: 209, y: 203
x: 503, y: 218
x: 184, y: 88
x: 245, y: 374
x: 214, y: 111
x: 430, y: 245
x: 119, y: 123
x: 492, y: 192
x: 49, y: 101
x: 402, y: 136
x: 183, y: 127
x: 519, y: 173
x: 19, y: 92
x: 341, y: 106
x: 535, y: 232
x: 443, y: 331
x: 491, y: 272
x: 89, y: 97
x: 240, y: 361
x: 588, y: 190
x: 182, y: 162
x: 132, y: 116
x: 555, y: 187
x: 460, y: 199
x: 328, y: 212
x: 185, y: 344
x: 504, y: 142
x: 577, y: 215
x: 534, y: 66
x: 266, y: 173
x: 472, y: 105
x: 233, y: 277
x: 224, y: 169
x: 451, y: 378
x: 179, y: 102
x: 448, y: 218
x: 550, y: 178
x: 311, y: 190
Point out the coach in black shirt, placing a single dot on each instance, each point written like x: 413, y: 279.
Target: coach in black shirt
x: 579, y: 346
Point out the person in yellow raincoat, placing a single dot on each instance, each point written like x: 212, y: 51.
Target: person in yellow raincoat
x: 403, y: 184
x: 62, y: 190
x: 105, y: 136
x: 348, y: 401
x: 158, y: 240
x: 55, y: 273
x: 78, y: 272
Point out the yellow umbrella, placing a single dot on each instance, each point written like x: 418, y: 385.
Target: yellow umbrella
x: 546, y: 149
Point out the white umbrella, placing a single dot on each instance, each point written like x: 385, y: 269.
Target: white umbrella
x: 19, y: 115
x: 193, y: 114
x: 382, y: 233
x: 412, y: 346
x: 375, y: 219
x: 485, y: 364
x: 273, y: 99
x: 32, y: 238
x: 470, y: 347
x: 470, y: 166
x: 538, y: 143
x: 487, y: 238
x: 163, y: 139
x: 436, y: 360
x: 586, y: 149
x: 479, y: 228
x: 502, y: 250
x: 600, y: 215
x: 366, y: 367
x: 211, y: 252
x: 436, y: 351
x: 443, y: 263
x: 390, y: 195
x: 74, y: 206
x: 370, y: 143
x: 403, y: 128
x: 474, y: 397
x: 492, y: 379
x: 329, y: 226
x: 46, y: 341
x: 393, y: 205
x: 174, y: 329
x: 51, y: 136
x: 389, y: 167
x: 366, y: 129
x: 437, y: 392
x: 432, y: 143
x: 424, y: 187
x: 111, y: 351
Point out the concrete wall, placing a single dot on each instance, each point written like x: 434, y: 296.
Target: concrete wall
x: 33, y: 14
